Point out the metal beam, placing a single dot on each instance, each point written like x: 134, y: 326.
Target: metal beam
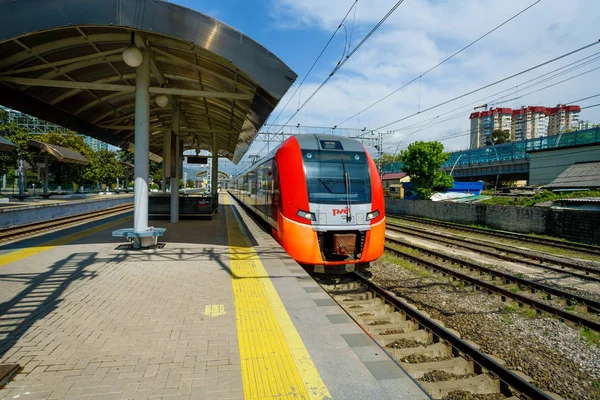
x: 74, y: 92
x: 61, y: 44
x: 200, y: 93
x: 68, y: 84
x: 123, y: 88
x: 42, y: 67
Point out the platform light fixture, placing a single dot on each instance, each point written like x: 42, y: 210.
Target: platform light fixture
x: 132, y: 55
x: 162, y: 100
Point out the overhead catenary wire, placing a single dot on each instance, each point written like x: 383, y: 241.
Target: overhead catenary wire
x: 490, y: 85
x: 318, y: 58
x: 439, y: 64
x: 341, y: 63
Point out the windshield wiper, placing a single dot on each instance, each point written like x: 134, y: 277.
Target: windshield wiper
x: 347, y: 188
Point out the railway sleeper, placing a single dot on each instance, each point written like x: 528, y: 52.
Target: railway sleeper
x: 375, y: 309
x: 433, y: 351
x: 351, y: 303
x: 404, y: 326
x: 420, y: 336
x: 456, y: 366
x: 480, y: 384
x: 395, y: 317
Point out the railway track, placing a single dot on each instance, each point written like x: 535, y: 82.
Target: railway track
x: 576, y: 247
x: 20, y: 231
x: 497, y: 278
x: 537, y: 260
x: 427, y: 347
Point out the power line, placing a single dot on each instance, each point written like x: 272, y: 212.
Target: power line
x: 491, y: 100
x: 593, y: 105
x: 490, y: 85
x: 318, y: 58
x: 442, y: 62
x: 515, y: 98
x: 342, y: 62
x: 585, y: 98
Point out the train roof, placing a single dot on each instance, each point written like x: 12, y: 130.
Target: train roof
x: 312, y: 142
x: 309, y: 142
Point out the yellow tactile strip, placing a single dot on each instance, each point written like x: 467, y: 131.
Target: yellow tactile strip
x: 33, y: 250
x: 275, y: 363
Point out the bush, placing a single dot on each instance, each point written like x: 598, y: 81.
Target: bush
x: 154, y: 186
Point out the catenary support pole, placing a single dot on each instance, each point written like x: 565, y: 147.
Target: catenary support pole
x: 141, y: 150
x: 174, y: 159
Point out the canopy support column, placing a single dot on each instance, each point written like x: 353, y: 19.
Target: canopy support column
x: 46, y: 175
x: 166, y: 159
x: 214, y: 180
x: 142, y: 122
x: 174, y: 159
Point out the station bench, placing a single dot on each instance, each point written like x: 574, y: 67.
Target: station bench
x: 141, y: 239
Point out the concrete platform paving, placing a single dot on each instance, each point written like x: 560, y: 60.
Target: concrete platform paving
x: 93, y: 319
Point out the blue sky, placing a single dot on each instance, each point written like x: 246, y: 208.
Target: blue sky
x: 416, y: 37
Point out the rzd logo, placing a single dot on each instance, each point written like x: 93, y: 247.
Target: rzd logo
x: 337, y: 211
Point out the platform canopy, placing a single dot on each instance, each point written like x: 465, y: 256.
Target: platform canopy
x: 6, y: 145
x: 62, y: 61
x: 62, y: 154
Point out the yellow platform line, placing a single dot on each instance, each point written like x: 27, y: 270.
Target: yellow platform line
x: 274, y: 361
x: 30, y: 251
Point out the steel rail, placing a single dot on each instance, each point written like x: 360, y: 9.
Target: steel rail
x: 481, y: 359
x: 25, y: 229
x: 538, y: 305
x: 580, y: 247
x: 474, y: 245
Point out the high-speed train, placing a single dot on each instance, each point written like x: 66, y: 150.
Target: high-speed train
x: 322, y: 197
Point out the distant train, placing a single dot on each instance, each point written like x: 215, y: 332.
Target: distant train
x: 323, y: 199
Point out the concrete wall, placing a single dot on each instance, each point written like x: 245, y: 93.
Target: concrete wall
x: 11, y: 216
x: 545, y: 166
x: 575, y: 225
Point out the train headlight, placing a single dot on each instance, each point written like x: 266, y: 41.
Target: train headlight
x: 373, y: 214
x: 307, y: 215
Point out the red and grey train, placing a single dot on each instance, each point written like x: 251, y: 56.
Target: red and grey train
x: 323, y: 199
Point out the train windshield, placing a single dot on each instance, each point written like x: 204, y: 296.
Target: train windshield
x: 335, y: 177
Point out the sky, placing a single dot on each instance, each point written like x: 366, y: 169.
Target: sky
x: 416, y: 37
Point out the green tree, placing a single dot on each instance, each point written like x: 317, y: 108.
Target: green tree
x: 105, y: 167
x: 18, y: 136
x: 498, y: 136
x: 422, y: 162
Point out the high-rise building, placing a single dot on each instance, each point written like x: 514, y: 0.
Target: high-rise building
x: 523, y: 123
x: 585, y: 125
x: 563, y: 117
x: 529, y: 122
x: 483, y: 123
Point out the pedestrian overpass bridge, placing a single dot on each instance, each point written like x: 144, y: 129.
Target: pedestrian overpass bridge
x: 509, y: 160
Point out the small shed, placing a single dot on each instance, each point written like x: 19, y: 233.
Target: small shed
x: 392, y: 183
x: 6, y: 145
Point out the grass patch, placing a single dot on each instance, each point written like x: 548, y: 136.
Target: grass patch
x: 591, y: 337
x: 391, y: 258
x: 539, y: 197
x: 515, y: 289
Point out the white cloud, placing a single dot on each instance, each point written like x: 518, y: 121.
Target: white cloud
x: 422, y: 33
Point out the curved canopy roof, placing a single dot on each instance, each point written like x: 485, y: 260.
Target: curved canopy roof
x: 61, y: 61
x: 62, y: 154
